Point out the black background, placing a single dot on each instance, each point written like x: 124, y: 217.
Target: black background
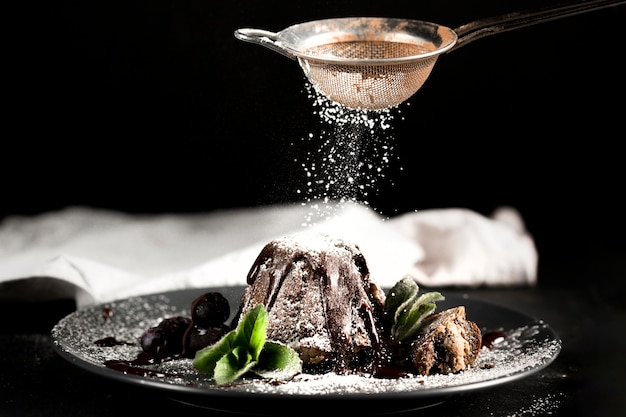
x: 154, y: 106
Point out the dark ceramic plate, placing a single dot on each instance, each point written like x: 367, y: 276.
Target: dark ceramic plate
x: 529, y: 345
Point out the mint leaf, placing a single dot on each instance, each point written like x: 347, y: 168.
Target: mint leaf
x: 429, y: 297
x: 406, y: 310
x: 421, y: 308
x: 245, y: 350
x: 400, y: 297
x: 233, y: 365
x: 252, y: 330
x: 278, y: 361
x: 238, y: 351
x: 206, y: 358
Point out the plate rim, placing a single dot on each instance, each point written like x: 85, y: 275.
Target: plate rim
x: 195, y: 392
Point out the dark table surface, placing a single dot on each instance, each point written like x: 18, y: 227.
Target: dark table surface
x: 585, y: 379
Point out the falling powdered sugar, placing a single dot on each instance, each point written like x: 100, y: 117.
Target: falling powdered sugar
x: 353, y: 151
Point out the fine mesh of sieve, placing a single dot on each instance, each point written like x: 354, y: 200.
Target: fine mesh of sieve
x: 367, y: 63
x: 368, y: 87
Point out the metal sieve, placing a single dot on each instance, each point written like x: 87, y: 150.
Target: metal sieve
x: 374, y: 63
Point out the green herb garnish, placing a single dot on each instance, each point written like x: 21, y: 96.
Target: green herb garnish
x: 406, y: 309
x: 245, y: 349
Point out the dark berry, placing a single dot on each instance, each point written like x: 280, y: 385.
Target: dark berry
x: 165, y: 339
x: 210, y: 310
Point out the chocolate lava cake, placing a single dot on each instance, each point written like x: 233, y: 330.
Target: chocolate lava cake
x: 320, y: 301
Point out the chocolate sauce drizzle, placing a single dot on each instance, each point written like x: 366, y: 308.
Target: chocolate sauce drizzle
x: 492, y: 338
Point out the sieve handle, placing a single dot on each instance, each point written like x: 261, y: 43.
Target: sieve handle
x: 264, y: 38
x: 480, y: 28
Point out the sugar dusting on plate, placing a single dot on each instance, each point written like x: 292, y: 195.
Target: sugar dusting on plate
x: 522, y: 350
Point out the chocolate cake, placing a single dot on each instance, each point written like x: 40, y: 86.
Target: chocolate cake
x: 446, y: 343
x: 320, y: 301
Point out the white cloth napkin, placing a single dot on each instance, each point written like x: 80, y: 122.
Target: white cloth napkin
x: 99, y: 255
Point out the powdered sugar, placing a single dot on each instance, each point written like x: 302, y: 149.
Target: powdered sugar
x: 315, y: 243
x: 353, y: 151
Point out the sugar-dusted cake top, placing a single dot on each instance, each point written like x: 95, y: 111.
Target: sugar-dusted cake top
x: 320, y: 300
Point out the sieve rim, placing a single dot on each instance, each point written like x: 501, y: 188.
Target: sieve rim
x: 290, y: 41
